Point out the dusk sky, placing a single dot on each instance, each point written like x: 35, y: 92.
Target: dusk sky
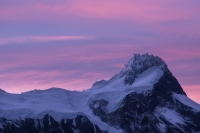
x: 73, y: 43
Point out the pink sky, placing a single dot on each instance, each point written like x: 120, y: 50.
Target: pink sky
x: 71, y: 44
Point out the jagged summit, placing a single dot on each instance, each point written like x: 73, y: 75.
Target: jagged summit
x: 139, y: 61
x: 138, y: 64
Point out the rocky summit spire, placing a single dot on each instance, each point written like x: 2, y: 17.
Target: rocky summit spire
x: 138, y: 64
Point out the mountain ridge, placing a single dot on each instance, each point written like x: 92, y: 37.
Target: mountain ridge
x: 143, y: 97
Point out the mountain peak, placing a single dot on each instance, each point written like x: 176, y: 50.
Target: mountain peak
x: 140, y: 61
x: 138, y: 64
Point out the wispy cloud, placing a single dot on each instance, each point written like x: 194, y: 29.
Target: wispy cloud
x: 23, y: 39
x: 169, y: 29
x: 136, y: 10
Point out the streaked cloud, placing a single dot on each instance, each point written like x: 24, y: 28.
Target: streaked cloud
x: 144, y: 11
x: 107, y: 33
x: 25, y: 39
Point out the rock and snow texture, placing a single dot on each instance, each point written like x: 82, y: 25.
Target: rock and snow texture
x: 143, y: 97
x: 137, y: 65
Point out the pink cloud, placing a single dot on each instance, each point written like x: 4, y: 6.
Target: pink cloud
x: 101, y: 52
x: 135, y: 10
x: 35, y: 70
x: 162, y: 29
x: 132, y: 10
x: 150, y: 14
x: 23, y: 39
x: 33, y: 79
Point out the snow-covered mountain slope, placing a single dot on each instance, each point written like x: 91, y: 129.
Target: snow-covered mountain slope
x: 143, y: 97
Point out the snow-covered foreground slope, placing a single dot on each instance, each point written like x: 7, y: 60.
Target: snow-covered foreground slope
x: 144, y: 96
x: 35, y: 103
x: 60, y: 103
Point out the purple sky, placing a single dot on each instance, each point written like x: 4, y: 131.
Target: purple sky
x: 71, y: 44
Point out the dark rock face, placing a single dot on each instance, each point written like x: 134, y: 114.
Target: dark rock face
x: 137, y: 111
x: 168, y: 84
x: 80, y: 124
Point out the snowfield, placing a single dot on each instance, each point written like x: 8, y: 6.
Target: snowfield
x: 61, y: 103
